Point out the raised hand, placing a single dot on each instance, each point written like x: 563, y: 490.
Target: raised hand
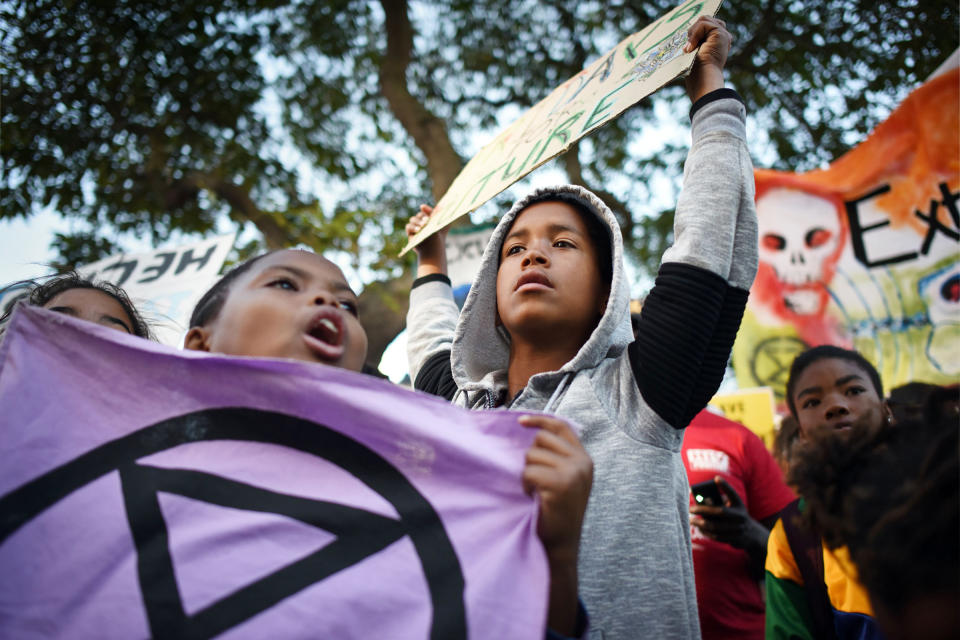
x: 432, y: 252
x: 711, y: 36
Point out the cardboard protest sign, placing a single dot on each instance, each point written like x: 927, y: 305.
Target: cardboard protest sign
x: 864, y: 254
x: 635, y: 68
x: 165, y: 284
x: 753, y: 408
x: 152, y: 492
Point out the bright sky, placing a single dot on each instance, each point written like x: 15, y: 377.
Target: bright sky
x: 24, y: 245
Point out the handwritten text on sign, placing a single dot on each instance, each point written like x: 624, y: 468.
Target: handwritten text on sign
x: 635, y: 68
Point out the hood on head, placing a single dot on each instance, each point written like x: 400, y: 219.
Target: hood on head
x: 481, y: 349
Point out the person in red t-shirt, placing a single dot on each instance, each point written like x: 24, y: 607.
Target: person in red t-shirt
x: 729, y: 541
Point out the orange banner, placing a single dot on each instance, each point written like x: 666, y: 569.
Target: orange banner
x: 864, y: 254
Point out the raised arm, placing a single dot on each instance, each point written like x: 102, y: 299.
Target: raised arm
x: 432, y: 316
x: 691, y: 316
x: 432, y: 252
x: 713, y: 185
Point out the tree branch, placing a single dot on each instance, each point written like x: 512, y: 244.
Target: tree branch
x: 463, y: 101
x: 242, y: 206
x: 428, y: 131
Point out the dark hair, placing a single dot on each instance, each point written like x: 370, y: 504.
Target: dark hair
x: 890, y: 496
x: 210, y: 304
x: 827, y: 352
x: 909, y: 399
x: 596, y: 229
x: 787, y: 435
x: 42, y: 293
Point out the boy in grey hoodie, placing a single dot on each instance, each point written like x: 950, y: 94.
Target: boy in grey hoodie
x: 546, y: 327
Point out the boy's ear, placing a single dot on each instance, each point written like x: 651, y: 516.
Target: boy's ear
x: 197, y: 339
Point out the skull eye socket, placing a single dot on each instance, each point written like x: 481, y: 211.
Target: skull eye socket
x: 950, y: 291
x: 773, y: 242
x: 817, y: 237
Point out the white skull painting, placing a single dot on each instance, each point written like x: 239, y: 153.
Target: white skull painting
x: 799, y: 237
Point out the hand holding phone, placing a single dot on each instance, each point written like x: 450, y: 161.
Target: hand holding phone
x: 720, y: 514
x: 707, y: 493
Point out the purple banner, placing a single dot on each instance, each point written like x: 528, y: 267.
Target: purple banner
x: 146, y: 491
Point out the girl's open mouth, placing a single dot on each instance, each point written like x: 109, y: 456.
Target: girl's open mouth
x: 325, y: 335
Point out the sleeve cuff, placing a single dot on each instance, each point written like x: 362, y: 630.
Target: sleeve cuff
x: 717, y: 94
x: 429, y: 289
x: 433, y: 277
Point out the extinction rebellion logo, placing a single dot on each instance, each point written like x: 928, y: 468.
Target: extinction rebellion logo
x: 359, y: 533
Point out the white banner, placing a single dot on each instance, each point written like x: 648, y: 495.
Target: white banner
x: 464, y: 250
x: 165, y: 284
x: 136, y: 271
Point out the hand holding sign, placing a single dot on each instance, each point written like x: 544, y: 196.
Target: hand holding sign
x: 432, y: 251
x: 713, y: 39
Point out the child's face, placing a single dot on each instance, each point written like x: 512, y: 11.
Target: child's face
x: 289, y: 304
x: 91, y: 305
x: 548, y: 283
x: 833, y: 396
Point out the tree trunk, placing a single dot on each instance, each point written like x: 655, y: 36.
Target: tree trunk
x: 428, y: 131
x: 383, y: 313
x: 383, y: 305
x: 242, y: 206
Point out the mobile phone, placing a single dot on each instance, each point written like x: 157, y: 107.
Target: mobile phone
x: 707, y: 493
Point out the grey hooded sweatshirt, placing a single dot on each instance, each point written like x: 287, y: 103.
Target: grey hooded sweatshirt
x: 630, y: 399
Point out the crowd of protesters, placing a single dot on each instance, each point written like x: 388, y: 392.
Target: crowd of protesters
x: 848, y: 530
